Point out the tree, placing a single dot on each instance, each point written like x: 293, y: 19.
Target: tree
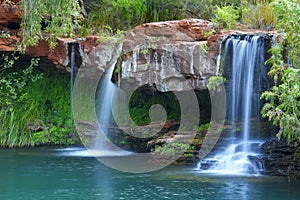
x: 283, y: 106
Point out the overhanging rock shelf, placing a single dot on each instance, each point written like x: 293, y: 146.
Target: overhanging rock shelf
x: 170, y: 56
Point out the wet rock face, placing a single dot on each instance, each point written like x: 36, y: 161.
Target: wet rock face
x: 174, y: 66
x: 281, y: 158
x: 172, y: 55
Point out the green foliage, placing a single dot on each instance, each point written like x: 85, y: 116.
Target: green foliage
x: 141, y: 102
x: 283, y: 100
x: 125, y: 14
x: 173, y: 149
x: 49, y: 19
x: 203, y: 127
x: 4, y: 34
x: 108, y: 37
x: 60, y: 18
x: 259, y: 16
x: 211, y: 125
x: 116, y: 14
x: 226, y: 16
x: 163, y: 10
x: 34, y: 108
x: 52, y: 94
x: 204, y: 48
x: 215, y: 82
x: 16, y: 110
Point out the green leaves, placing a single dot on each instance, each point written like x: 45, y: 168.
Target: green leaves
x: 215, y: 82
x: 34, y: 106
x: 116, y: 14
x: 60, y: 19
x: 283, y: 100
x: 12, y: 83
x: 15, y: 110
x: 226, y: 16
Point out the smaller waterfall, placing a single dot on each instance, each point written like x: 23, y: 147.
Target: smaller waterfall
x: 191, y: 55
x: 75, y: 62
x: 104, y: 116
x: 244, y: 56
x: 73, y: 67
x: 102, y: 146
x: 219, y: 57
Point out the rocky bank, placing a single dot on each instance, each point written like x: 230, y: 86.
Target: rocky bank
x: 281, y: 158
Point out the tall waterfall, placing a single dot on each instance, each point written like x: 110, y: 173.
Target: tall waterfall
x: 246, y: 73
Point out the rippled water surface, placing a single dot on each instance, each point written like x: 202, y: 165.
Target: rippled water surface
x: 70, y: 173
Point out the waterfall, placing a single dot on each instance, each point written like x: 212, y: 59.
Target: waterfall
x: 73, y: 72
x: 104, y: 109
x: 244, y: 59
x: 102, y: 146
x: 73, y: 67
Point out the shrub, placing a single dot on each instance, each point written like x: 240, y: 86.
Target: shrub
x: 226, y: 16
x: 283, y: 100
x: 259, y: 16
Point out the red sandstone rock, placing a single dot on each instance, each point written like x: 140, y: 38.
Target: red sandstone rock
x: 59, y: 55
x: 8, y: 43
x: 39, y: 50
x: 89, y: 43
x: 10, y: 12
x: 178, y: 30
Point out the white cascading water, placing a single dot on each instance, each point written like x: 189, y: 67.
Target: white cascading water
x: 104, y: 110
x: 102, y: 146
x: 246, y: 59
x: 72, y: 63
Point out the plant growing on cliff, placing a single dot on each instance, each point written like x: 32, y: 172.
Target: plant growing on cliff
x: 172, y: 149
x: 34, y: 106
x: 204, y: 48
x: 3, y: 34
x: 16, y: 111
x: 58, y: 18
x: 215, y: 82
x: 283, y: 100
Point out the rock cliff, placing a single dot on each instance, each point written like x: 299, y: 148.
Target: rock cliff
x: 169, y: 56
